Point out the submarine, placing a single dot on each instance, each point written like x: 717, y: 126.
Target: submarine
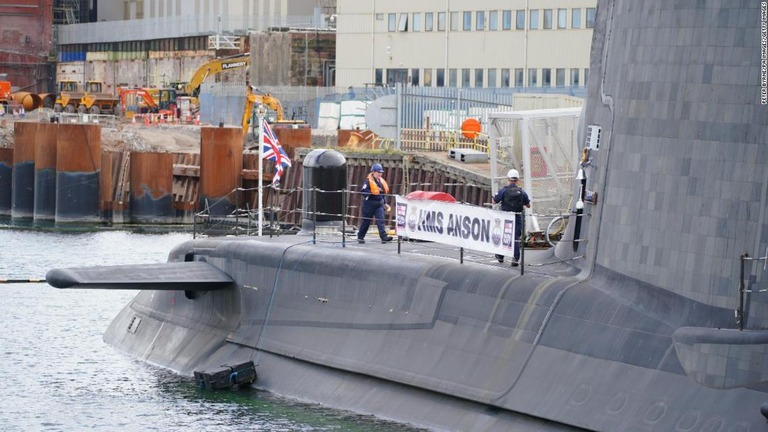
x: 650, y: 315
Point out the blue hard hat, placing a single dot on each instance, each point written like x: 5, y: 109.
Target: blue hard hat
x: 377, y: 168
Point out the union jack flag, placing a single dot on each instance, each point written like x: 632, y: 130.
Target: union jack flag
x: 274, y: 151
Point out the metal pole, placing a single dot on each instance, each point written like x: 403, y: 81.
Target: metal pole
x: 522, y: 243
x: 740, y: 310
x: 261, y: 165
x: 344, y: 218
x: 314, y: 215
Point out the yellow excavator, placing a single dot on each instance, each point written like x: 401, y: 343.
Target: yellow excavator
x: 192, y: 88
x: 272, y: 104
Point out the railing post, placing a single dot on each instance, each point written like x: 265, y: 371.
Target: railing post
x: 314, y: 215
x: 522, y: 243
x: 344, y: 217
x: 742, y: 287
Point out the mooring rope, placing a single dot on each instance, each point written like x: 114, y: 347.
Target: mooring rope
x: 14, y: 281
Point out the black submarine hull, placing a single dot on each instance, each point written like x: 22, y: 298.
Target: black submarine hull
x: 438, y: 344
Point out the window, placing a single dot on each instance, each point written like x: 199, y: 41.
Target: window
x: 397, y: 76
x: 520, y: 20
x: 428, y: 77
x: 379, y: 80
x: 506, y: 20
x: 441, y: 21
x: 139, y: 9
x: 493, y: 20
x: 452, y: 77
x: 590, y: 17
x: 533, y: 20
x: 491, y: 77
x: 391, y: 22
x: 465, y: 73
x: 478, y: 78
x: 562, y: 18
x: 467, y: 21
x: 532, y: 81
x: 560, y: 77
x: 403, y: 25
x: 454, y: 21
x: 547, y: 19
x: 505, y: 78
x: 519, y: 78
x: 575, y: 77
x: 575, y: 18
x: 414, y: 77
x: 546, y: 77
x: 480, y: 21
x: 428, y: 22
x: 441, y: 77
x: 416, y: 23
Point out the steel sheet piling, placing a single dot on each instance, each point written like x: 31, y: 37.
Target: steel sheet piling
x: 6, y: 180
x: 23, y: 193
x: 152, y: 187
x: 78, y: 165
x: 45, y: 172
x: 221, y: 164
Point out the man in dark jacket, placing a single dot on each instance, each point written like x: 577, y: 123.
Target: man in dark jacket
x: 374, y: 191
x: 513, y: 198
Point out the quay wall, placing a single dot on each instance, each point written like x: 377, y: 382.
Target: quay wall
x: 71, y: 179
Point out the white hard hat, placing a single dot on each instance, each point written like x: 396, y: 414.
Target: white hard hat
x: 513, y: 174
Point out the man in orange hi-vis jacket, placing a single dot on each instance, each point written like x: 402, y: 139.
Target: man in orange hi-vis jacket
x: 374, y: 190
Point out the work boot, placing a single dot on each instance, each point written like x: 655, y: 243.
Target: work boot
x: 361, y: 241
x: 386, y: 239
x: 515, y: 262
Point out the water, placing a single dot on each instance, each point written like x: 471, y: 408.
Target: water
x: 59, y: 375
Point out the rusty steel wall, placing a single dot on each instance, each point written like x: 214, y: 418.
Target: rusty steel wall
x: 291, y: 139
x: 221, y: 163
x: 6, y: 180
x: 78, y: 164
x: 23, y: 194
x: 152, y: 187
x: 45, y: 171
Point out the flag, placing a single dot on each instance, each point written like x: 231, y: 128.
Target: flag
x: 274, y: 151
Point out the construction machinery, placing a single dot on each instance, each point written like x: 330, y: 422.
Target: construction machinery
x: 5, y: 92
x: 96, y: 101
x: 273, y: 105
x: 213, y: 67
x: 69, y: 95
x: 141, y: 101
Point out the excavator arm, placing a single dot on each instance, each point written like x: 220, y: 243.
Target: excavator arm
x: 265, y: 99
x: 212, y: 68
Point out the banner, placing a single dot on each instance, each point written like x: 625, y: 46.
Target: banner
x: 455, y: 224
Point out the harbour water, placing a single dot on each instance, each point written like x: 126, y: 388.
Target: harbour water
x: 59, y: 375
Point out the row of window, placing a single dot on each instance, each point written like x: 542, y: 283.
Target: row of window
x: 494, y: 20
x: 545, y: 77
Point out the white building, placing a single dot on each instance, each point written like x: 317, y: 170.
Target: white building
x: 464, y: 43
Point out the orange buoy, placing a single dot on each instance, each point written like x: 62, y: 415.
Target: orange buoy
x: 470, y: 128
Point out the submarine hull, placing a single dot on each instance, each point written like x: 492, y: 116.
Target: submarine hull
x: 435, y: 343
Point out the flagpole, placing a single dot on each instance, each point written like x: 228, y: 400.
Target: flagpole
x: 260, y: 111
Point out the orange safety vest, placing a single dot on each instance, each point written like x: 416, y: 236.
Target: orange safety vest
x: 375, y: 188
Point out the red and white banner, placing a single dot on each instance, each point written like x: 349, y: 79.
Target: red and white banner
x: 455, y: 224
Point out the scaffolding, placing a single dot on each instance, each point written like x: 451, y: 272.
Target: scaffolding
x: 69, y: 12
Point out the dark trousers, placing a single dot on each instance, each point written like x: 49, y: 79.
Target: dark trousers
x: 518, y: 234
x: 372, y: 209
